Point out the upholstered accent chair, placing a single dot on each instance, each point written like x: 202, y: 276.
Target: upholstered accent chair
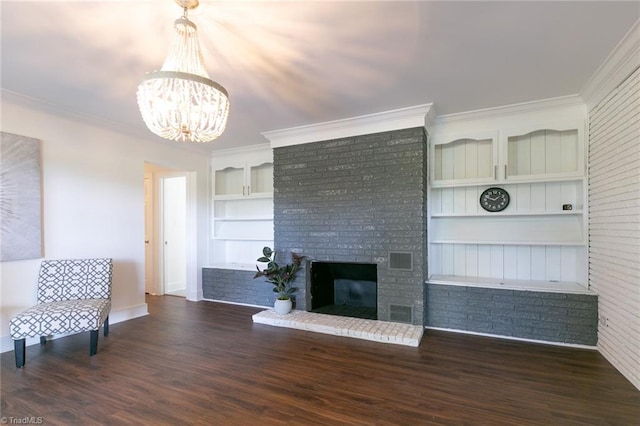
x: 73, y: 296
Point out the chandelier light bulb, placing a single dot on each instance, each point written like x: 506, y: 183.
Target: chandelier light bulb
x: 180, y: 102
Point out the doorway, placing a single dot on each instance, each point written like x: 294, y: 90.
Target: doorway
x: 169, y: 237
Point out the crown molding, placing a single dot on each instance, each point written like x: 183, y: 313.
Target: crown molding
x: 241, y: 150
x: 571, y: 102
x: 62, y: 111
x: 91, y: 120
x: 404, y: 118
x: 620, y: 63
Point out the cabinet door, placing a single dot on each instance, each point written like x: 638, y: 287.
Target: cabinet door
x: 547, y: 152
x: 464, y: 159
x: 230, y: 180
x: 260, y: 179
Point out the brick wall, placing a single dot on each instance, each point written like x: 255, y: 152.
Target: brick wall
x: 551, y: 317
x: 236, y: 286
x: 356, y: 200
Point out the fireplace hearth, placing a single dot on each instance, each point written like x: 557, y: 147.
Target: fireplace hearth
x: 344, y: 289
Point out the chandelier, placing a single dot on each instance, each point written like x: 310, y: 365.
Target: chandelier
x: 180, y: 102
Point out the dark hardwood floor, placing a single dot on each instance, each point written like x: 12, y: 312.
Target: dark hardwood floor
x: 207, y: 363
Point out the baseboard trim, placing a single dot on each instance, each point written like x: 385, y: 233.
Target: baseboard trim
x: 237, y: 303
x: 121, y: 315
x: 520, y: 339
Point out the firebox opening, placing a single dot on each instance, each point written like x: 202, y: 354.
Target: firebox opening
x: 345, y: 289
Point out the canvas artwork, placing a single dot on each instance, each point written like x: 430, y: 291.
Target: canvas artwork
x: 20, y: 198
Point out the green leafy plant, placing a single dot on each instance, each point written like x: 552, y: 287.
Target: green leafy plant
x: 280, y: 276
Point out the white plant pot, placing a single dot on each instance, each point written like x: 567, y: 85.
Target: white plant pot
x: 282, y: 307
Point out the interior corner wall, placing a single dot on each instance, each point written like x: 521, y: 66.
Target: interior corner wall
x: 93, y: 205
x: 614, y: 224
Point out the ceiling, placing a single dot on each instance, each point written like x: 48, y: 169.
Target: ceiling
x: 294, y: 63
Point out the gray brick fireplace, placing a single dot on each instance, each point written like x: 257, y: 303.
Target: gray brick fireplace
x: 359, y: 199
x: 362, y: 200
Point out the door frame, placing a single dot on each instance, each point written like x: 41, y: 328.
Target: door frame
x: 157, y: 247
x: 163, y: 228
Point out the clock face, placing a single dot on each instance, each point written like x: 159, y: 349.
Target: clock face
x: 494, y: 199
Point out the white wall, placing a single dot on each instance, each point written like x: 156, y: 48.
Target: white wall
x: 614, y: 204
x: 614, y: 226
x: 93, y: 205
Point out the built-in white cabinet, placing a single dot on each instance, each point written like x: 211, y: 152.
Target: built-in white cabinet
x: 541, y: 235
x: 543, y: 152
x: 242, y: 206
x: 244, y: 178
x: 531, y: 152
x: 462, y: 159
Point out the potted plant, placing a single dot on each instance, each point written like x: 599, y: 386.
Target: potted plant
x: 281, y: 276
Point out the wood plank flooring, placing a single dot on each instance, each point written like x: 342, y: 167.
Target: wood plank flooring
x: 207, y: 363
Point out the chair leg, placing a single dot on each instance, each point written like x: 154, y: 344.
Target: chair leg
x: 43, y: 340
x: 106, y: 327
x: 93, y: 347
x: 18, y: 347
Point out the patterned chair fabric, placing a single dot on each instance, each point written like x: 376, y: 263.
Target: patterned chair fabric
x: 73, y: 296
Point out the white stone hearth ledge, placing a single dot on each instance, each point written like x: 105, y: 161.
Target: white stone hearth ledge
x: 358, y: 328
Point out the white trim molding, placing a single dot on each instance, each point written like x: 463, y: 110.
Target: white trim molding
x: 552, y: 109
x: 78, y: 116
x: 620, y: 63
x: 250, y: 149
x: 404, y: 118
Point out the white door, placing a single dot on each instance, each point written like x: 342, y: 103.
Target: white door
x: 174, y: 234
x: 148, y: 233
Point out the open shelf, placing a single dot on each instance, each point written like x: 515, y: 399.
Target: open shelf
x: 512, y: 181
x: 243, y: 219
x: 559, y: 229
x: 510, y: 284
x: 242, y: 210
x: 536, y: 213
x: 260, y: 196
x: 232, y: 265
x: 241, y: 239
x: 511, y: 243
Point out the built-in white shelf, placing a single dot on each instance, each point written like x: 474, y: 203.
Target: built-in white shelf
x: 512, y: 181
x: 261, y: 196
x: 241, y: 239
x: 244, y: 219
x: 511, y: 243
x: 488, y: 215
x: 508, y: 229
x: 242, y: 210
x: 232, y: 265
x: 552, y: 286
x: 539, y: 159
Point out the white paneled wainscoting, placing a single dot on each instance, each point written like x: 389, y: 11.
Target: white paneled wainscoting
x: 614, y: 226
